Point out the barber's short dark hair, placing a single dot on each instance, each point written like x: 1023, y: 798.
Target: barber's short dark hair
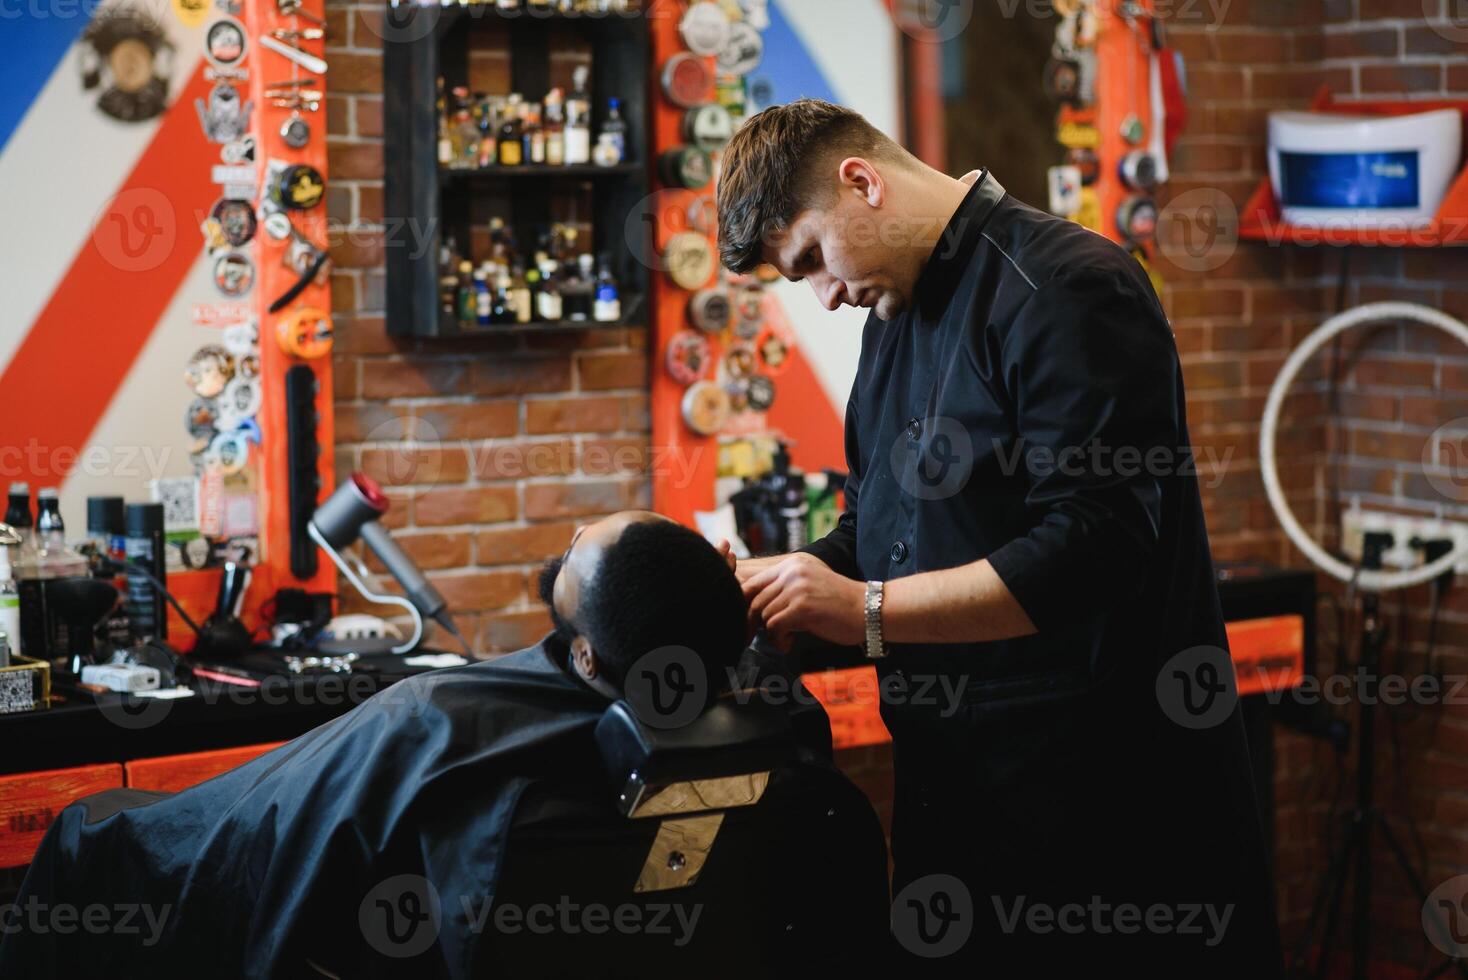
x: 658, y: 585
x: 779, y: 164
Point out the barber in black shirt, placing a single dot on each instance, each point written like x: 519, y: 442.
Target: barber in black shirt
x: 1023, y: 550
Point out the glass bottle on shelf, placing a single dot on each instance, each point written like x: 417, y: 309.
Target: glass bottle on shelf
x: 466, y: 299
x: 488, y: 134
x: 520, y: 295
x: 614, y: 130
x: 607, y: 307
x: 548, y: 303
x: 466, y: 133
x: 555, y: 129
x: 511, y: 150
x: 534, y: 135
x: 578, y: 118
x: 504, y: 301
x: 483, y: 309
x: 445, y: 140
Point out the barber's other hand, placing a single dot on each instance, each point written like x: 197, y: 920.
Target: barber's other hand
x: 801, y: 593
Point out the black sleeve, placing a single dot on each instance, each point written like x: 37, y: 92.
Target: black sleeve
x: 838, y: 548
x: 1092, y: 370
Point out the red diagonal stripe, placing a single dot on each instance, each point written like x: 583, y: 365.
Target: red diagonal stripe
x: 79, y: 350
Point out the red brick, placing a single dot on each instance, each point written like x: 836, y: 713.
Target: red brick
x: 466, y: 420
x: 524, y: 375
x: 415, y: 464
x: 464, y: 505
x: 603, y: 371
x: 1400, y: 79
x: 355, y: 161
x: 431, y: 551
x: 524, y: 460
x: 1372, y: 42
x: 565, y: 498
x: 521, y: 545
x: 615, y: 457
x: 369, y: 117
x: 338, y: 109
x: 599, y: 414
x: 356, y: 72
x: 356, y: 248
x: 413, y: 378
x: 363, y: 335
x: 479, y: 590
x: 372, y: 422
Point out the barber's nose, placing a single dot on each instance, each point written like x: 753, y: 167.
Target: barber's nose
x: 828, y: 291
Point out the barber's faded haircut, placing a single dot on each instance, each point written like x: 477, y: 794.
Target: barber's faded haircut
x: 775, y: 167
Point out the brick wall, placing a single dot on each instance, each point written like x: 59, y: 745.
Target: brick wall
x: 1359, y: 418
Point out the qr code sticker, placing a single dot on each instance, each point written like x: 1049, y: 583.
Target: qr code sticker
x: 17, y: 689
x: 179, y: 496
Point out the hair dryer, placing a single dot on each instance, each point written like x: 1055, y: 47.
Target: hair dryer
x: 352, y: 511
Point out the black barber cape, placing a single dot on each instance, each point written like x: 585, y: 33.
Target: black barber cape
x: 250, y: 870
x: 1028, y: 408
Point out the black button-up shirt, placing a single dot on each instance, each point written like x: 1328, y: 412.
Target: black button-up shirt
x: 1028, y: 408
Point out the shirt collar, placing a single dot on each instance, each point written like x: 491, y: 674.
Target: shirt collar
x: 954, y: 247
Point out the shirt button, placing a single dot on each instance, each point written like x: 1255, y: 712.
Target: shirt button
x: 914, y: 428
x: 899, y: 552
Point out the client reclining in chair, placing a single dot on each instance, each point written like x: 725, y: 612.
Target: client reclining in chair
x: 242, y: 874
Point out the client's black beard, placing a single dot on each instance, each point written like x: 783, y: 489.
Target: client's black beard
x: 565, y: 632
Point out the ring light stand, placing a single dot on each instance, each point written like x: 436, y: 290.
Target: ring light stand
x: 1372, y: 580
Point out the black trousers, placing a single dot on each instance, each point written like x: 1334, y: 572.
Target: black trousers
x: 1070, y: 838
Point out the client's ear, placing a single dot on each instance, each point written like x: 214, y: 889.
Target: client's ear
x: 583, y: 657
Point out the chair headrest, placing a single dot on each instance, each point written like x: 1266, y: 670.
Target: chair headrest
x: 727, y: 739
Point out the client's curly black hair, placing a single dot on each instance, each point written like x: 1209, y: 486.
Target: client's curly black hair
x: 660, y: 584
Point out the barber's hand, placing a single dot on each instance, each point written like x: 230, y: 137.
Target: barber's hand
x: 726, y: 550
x: 748, y: 568
x: 801, y: 593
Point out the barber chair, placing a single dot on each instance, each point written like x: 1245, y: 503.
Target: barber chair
x: 733, y: 817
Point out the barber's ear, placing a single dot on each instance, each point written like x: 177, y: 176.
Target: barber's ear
x: 859, y: 177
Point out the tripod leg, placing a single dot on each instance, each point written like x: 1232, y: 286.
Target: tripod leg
x: 1332, y: 893
x: 1415, y: 880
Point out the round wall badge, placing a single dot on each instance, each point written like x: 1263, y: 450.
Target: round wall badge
x: 742, y: 52
x: 738, y: 390
x: 240, y: 400
x: 690, y: 260
x: 236, y: 220
x: 773, y: 350
x: 708, y: 127
x: 1084, y: 159
x: 234, y: 274
x: 710, y: 310
x: 687, y: 80
x: 224, y: 43
x: 228, y: 453
x: 761, y: 393
x: 199, y: 421
x: 1137, y: 218
x: 706, y: 407
x: 687, y: 356
x: 305, y: 333
x: 739, y: 360
x: 126, y: 53
x: 209, y: 370
x: 687, y: 167
x: 299, y: 187
x: 704, y: 28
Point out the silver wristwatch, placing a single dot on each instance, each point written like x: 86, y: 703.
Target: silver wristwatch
x: 876, y: 649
